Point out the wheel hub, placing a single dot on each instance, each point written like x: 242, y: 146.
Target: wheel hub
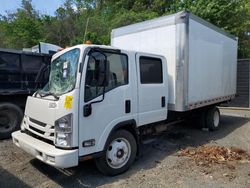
x: 120, y: 153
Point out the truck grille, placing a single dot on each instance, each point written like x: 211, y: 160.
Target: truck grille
x: 37, y: 122
x: 41, y: 129
x: 37, y: 130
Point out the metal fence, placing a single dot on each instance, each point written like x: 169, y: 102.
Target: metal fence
x: 243, y: 74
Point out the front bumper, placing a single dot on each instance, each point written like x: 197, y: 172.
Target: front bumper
x: 46, y: 152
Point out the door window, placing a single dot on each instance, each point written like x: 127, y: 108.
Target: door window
x: 150, y: 70
x: 118, y: 75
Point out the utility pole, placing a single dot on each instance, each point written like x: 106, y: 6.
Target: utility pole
x: 86, y: 29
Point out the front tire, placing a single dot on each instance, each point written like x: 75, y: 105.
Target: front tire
x: 119, y: 154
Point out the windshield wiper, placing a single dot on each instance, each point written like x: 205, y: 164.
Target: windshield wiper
x: 41, y: 94
x: 49, y: 93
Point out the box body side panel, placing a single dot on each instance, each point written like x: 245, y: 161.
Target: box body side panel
x: 212, y: 64
x: 201, y: 58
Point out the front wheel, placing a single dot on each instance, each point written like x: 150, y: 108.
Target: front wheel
x: 119, y: 154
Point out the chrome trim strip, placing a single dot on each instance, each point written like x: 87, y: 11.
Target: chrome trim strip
x: 182, y: 60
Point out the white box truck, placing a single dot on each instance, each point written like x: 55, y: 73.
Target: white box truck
x: 102, y: 101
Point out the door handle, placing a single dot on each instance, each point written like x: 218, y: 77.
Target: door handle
x: 87, y: 110
x: 127, y: 106
x: 163, y: 102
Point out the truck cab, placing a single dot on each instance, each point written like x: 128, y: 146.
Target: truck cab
x: 96, y: 99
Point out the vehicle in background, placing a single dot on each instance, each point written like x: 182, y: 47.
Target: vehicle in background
x: 21, y: 74
x: 45, y: 48
x: 102, y: 102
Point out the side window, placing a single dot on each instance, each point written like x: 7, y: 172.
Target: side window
x: 9, y: 61
x: 118, y: 75
x: 118, y: 70
x: 31, y: 63
x: 150, y: 70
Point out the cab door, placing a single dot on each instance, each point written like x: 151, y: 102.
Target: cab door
x: 152, y: 88
x: 117, y: 104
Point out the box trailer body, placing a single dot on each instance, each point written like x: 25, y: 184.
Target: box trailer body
x: 201, y: 58
x: 102, y: 102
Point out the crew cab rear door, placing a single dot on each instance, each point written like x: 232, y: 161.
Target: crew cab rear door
x: 152, y: 82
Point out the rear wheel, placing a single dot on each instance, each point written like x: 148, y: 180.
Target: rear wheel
x: 10, y: 119
x: 213, y: 118
x: 119, y: 154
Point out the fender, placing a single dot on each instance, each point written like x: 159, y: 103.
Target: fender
x: 129, y: 125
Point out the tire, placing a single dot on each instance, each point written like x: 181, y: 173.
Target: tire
x: 10, y: 119
x: 119, y: 154
x: 213, y: 119
x: 202, y: 123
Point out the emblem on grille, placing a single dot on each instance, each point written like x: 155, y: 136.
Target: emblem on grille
x: 52, y: 105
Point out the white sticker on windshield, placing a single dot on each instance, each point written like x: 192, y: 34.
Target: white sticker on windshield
x: 65, y: 65
x: 64, y: 73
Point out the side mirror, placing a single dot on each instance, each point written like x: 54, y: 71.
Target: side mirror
x: 87, y: 110
x: 103, y: 73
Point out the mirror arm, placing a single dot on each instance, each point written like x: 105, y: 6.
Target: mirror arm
x: 86, y: 114
x: 103, y: 96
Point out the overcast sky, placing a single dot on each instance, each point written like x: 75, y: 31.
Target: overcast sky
x: 43, y: 6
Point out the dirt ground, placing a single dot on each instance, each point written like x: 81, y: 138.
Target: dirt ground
x: 160, y: 164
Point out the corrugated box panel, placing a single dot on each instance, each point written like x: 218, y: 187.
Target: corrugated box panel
x: 201, y: 58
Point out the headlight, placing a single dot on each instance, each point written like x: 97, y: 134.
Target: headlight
x: 63, y: 139
x: 64, y: 124
x: 63, y: 131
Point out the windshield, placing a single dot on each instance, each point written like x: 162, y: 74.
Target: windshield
x: 63, y: 73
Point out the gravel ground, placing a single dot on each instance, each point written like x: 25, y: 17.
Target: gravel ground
x: 159, y: 165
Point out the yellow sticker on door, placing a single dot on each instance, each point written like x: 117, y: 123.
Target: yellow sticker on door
x: 68, y: 102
